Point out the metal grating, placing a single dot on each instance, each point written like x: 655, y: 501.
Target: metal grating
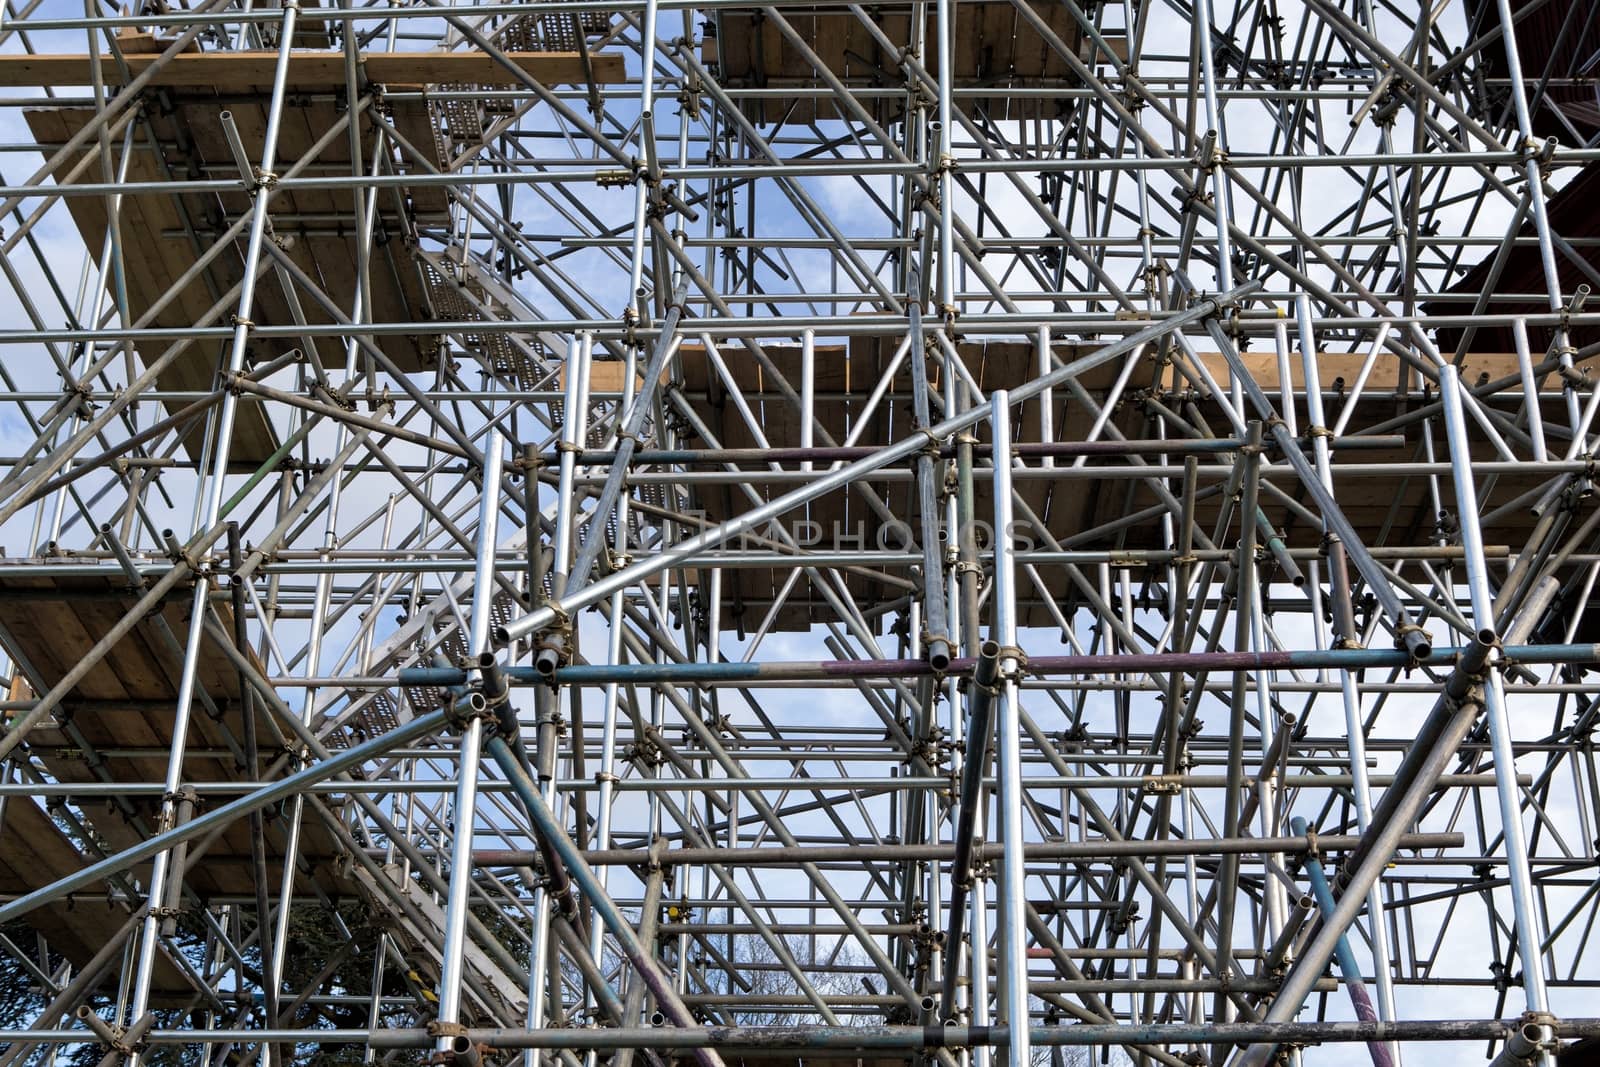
x: 460, y: 115
x: 554, y: 32
x: 447, y: 282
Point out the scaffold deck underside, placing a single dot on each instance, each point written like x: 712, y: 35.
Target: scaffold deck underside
x: 571, y: 533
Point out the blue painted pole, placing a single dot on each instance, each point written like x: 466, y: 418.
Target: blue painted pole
x: 1349, y: 969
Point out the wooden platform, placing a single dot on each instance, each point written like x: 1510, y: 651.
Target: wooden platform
x: 116, y: 725
x: 182, y: 138
x: 33, y: 852
x: 1385, y: 509
x: 1570, y: 213
x: 994, y: 47
x: 317, y: 223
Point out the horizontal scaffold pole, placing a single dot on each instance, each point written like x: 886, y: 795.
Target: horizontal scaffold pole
x: 867, y: 1038
x: 1352, y: 659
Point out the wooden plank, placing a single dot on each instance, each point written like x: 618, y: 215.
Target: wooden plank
x: 1091, y: 53
x: 775, y: 50
x: 35, y: 852
x: 999, y: 41
x: 156, y: 257
x: 966, y: 47
x: 53, y: 634
x: 311, y: 33
x: 139, y: 42
x: 992, y: 48
x: 237, y: 71
x: 1069, y: 506
x: 605, y: 376
x: 415, y: 123
x: 154, y: 262
x: 144, y: 666
x: 1037, y: 59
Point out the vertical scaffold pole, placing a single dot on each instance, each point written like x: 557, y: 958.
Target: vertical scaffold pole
x: 1013, y: 901
x: 1530, y: 932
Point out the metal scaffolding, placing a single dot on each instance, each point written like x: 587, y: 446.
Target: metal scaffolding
x: 959, y: 531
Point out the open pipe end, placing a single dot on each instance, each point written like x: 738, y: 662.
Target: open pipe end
x: 495, y: 687
x: 1470, y: 663
x: 83, y: 1012
x: 546, y: 662
x: 463, y: 1053
x: 501, y: 635
x: 1522, y: 1045
x: 939, y: 654
x: 987, y: 670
